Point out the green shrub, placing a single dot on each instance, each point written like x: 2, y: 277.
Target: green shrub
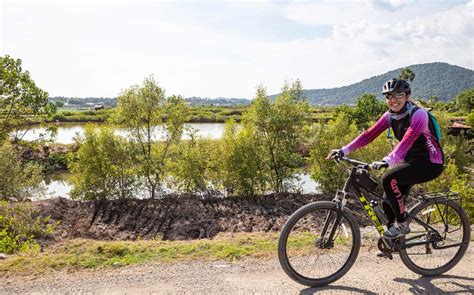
x: 103, y: 167
x: 465, y: 100
x: 18, y: 180
x: 278, y: 129
x: 367, y: 109
x: 21, y: 227
x: 188, y: 163
x: 470, y: 119
x: 236, y: 164
x: 453, y: 179
x: 58, y: 117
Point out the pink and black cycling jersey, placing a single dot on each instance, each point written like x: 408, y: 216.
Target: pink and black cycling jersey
x: 414, y: 135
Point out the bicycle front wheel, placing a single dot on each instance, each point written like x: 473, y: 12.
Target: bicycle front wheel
x: 447, y: 245
x: 305, y: 252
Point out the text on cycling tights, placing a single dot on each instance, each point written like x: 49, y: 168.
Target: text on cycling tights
x: 397, y: 181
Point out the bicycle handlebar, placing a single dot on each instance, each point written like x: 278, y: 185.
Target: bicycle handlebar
x: 361, y: 164
x: 356, y: 162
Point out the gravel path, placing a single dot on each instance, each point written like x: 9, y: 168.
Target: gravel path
x: 244, y: 277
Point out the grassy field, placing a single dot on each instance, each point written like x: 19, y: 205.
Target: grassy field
x: 92, y: 254
x: 197, y: 114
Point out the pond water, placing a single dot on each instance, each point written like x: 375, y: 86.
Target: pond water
x: 57, y: 185
x: 67, y: 131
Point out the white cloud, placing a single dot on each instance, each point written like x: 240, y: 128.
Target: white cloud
x: 359, y: 49
x: 96, y: 52
x: 390, y: 4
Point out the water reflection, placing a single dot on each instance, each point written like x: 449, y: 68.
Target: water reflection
x: 58, y: 186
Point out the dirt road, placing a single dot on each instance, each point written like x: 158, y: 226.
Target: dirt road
x: 369, y: 275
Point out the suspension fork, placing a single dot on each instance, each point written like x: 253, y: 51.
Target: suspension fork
x: 340, y: 200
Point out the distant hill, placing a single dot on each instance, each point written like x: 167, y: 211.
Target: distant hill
x: 432, y: 79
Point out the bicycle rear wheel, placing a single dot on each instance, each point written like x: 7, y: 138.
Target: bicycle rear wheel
x: 447, y: 248
x: 304, y: 253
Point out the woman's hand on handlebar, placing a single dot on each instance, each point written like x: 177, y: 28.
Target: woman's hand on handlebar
x: 335, y: 154
x: 377, y: 165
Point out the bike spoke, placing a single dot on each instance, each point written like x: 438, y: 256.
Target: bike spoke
x: 438, y: 216
x: 314, y: 261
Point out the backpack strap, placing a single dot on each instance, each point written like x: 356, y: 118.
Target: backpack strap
x: 389, y: 134
x: 431, y: 124
x: 412, y: 111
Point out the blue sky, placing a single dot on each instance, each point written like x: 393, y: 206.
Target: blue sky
x: 227, y: 48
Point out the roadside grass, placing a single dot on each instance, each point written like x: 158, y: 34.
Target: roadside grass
x: 92, y: 254
x: 77, y: 254
x: 82, y: 254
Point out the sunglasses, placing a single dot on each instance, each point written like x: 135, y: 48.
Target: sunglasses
x: 395, y: 95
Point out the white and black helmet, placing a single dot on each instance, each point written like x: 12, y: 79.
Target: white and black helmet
x: 396, y: 85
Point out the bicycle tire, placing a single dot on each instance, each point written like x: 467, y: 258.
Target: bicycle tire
x: 283, y: 242
x: 466, y: 233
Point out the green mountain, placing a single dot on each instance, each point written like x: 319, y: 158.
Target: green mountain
x: 432, y: 79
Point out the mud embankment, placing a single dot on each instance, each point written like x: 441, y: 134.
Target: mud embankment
x: 172, y: 217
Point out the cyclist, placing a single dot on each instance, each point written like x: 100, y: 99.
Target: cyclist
x: 417, y: 158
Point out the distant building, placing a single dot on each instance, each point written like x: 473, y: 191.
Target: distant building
x: 457, y: 127
x: 98, y: 107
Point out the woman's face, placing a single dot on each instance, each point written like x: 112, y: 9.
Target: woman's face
x: 396, y: 101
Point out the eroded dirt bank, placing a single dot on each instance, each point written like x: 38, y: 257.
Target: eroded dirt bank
x: 173, y: 217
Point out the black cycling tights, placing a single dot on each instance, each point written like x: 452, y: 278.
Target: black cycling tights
x: 397, y: 182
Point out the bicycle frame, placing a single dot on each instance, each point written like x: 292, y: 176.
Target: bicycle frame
x: 352, y: 186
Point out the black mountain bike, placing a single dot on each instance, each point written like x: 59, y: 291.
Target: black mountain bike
x: 320, y: 241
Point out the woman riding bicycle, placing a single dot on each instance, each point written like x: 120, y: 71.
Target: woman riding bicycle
x: 417, y: 158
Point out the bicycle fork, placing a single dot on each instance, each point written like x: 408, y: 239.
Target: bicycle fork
x: 340, y: 200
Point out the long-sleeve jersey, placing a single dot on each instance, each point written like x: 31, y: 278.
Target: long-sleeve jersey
x: 419, y: 126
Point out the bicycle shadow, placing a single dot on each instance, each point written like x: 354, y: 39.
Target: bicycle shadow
x: 422, y: 285
x: 425, y: 284
x: 329, y: 288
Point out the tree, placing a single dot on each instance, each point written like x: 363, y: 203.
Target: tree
x: 465, y: 100
x: 368, y: 108
x: 20, y: 98
x: 278, y: 130
x: 104, y: 166
x: 141, y: 110
x: 18, y: 180
x: 470, y: 119
x: 189, y: 161
x: 407, y: 74
x: 237, y: 164
x: 59, y: 104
